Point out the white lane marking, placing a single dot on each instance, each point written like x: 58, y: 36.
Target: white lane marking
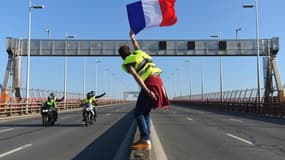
x: 108, y: 114
x: 5, y: 130
x: 65, y: 117
x: 188, y: 118
x: 158, y: 149
x: 15, y: 150
x: 240, y: 139
x: 236, y: 120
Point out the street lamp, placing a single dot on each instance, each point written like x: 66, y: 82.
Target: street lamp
x: 202, y: 81
x: 190, y: 79
x: 221, y: 70
x: 65, y: 65
x: 111, y: 87
x: 84, y: 75
x: 96, y: 74
x: 237, y: 30
x: 174, y: 86
x: 178, y: 70
x: 29, y: 45
x: 48, y: 31
x: 105, y: 81
x: 257, y: 43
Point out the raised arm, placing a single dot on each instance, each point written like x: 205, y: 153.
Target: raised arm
x: 133, y: 39
x: 141, y: 83
x: 58, y: 100
x: 100, y: 95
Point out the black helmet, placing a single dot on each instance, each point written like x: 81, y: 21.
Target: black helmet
x: 52, y: 95
x: 89, y: 95
x: 92, y: 93
x: 50, y: 98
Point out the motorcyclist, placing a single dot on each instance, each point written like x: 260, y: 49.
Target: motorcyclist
x: 89, y: 102
x: 51, y: 102
x: 94, y: 100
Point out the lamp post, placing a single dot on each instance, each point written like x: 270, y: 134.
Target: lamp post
x: 237, y: 30
x: 174, y: 86
x: 96, y: 74
x: 84, y: 75
x: 190, y: 79
x: 111, y: 88
x: 178, y: 70
x: 29, y: 45
x: 221, y: 70
x: 105, y: 81
x: 48, y: 31
x: 257, y: 43
x: 65, y: 65
x: 202, y: 81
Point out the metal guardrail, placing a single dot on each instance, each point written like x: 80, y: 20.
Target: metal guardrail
x: 237, y: 101
x: 16, y: 107
x: 43, y: 93
x: 244, y: 95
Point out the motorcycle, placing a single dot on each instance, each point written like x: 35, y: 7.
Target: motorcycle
x: 89, y: 110
x: 87, y: 115
x: 48, y: 116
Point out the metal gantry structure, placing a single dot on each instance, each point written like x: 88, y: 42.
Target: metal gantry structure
x: 71, y: 47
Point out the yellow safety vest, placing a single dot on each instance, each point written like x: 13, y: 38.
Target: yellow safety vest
x: 90, y: 100
x: 142, y: 63
x: 51, y: 103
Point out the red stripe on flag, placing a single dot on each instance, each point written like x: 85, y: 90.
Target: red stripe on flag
x: 168, y: 12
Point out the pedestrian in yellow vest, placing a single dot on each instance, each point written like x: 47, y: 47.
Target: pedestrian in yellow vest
x: 152, y: 95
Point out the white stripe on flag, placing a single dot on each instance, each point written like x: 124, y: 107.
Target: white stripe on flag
x: 152, y: 13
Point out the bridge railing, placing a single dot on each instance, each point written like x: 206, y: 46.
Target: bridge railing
x: 12, y: 106
x: 236, y: 100
x: 16, y: 107
x: 245, y: 96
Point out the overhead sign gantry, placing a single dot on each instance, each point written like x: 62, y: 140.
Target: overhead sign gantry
x: 43, y: 47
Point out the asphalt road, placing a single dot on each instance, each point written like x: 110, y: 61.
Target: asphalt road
x: 69, y: 138
x: 193, y: 134
x: 184, y: 134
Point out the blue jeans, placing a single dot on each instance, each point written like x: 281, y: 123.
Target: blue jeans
x: 142, y: 115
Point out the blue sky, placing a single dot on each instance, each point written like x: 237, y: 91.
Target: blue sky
x: 107, y: 19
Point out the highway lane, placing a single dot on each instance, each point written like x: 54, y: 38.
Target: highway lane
x: 184, y: 133
x: 187, y: 134
x: 68, y: 139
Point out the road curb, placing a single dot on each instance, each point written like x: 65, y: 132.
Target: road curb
x: 156, y: 153
x: 139, y: 154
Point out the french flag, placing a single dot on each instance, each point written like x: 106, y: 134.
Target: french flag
x: 151, y: 13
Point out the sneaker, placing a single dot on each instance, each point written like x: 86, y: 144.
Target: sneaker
x: 141, y: 145
x: 137, y: 142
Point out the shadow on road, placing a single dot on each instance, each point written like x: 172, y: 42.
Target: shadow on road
x: 106, y: 146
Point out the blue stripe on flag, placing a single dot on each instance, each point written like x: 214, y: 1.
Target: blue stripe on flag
x: 136, y: 16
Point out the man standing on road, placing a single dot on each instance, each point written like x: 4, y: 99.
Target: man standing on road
x: 152, y: 95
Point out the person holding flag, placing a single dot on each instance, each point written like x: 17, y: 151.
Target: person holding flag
x: 145, y: 14
x: 152, y: 95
